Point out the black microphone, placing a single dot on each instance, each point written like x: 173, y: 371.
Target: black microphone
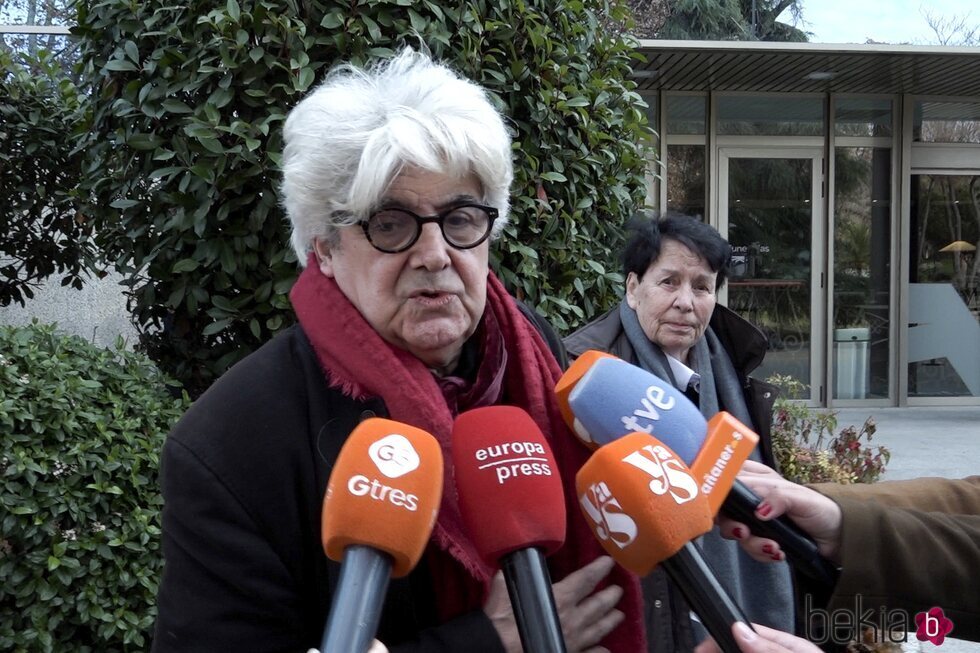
x: 513, y: 505
x: 380, y: 505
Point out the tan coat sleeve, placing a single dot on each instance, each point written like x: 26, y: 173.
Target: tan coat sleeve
x: 911, y: 560
x: 926, y: 494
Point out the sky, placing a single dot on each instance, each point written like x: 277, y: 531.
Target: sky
x: 887, y: 21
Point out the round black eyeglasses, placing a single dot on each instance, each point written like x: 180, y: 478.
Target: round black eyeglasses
x: 395, y: 230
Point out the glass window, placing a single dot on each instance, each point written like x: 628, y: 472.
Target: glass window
x: 862, y: 271
x: 686, y: 114
x: 685, y: 179
x: 946, y: 122
x: 863, y: 117
x: 944, y: 276
x: 770, y: 115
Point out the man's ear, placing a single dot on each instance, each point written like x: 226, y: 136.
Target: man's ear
x: 324, y: 256
x: 632, y: 281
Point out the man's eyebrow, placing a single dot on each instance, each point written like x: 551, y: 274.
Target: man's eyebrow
x: 456, y: 200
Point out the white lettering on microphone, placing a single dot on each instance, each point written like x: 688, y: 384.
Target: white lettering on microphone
x: 362, y: 486
x: 657, y: 398
x: 667, y: 473
x: 718, y: 468
x: 608, y: 519
x: 514, y: 460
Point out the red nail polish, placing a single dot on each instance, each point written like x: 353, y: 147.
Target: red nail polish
x: 738, y: 532
x: 777, y: 556
x: 764, y: 509
x: 767, y: 548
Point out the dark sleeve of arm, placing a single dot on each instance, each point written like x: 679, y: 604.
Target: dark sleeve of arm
x: 911, y: 560
x: 471, y: 632
x: 547, y: 332
x: 224, y: 587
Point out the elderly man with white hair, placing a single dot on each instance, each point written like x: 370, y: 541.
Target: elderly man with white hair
x: 395, y: 180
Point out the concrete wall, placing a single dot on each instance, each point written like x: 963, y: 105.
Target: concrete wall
x: 97, y: 312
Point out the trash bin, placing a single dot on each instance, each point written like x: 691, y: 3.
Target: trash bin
x: 852, y: 362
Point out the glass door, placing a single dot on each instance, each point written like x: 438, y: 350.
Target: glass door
x: 944, y: 271
x: 770, y: 211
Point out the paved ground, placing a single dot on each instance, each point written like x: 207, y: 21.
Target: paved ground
x: 942, y: 441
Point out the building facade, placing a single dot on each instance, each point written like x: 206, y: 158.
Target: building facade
x: 847, y: 179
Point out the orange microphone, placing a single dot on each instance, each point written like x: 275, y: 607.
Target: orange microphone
x: 645, y: 506
x: 612, y: 398
x: 380, y: 505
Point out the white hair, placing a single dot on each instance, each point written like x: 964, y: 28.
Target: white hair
x: 347, y: 140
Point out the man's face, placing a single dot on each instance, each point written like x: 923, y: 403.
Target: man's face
x: 429, y: 299
x: 674, y: 299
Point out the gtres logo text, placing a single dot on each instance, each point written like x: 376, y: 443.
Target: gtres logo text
x: 394, y: 456
x: 514, y: 459
x: 611, y: 523
x: 657, y: 398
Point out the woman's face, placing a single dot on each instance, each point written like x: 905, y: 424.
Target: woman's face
x: 674, y: 299
x: 429, y: 299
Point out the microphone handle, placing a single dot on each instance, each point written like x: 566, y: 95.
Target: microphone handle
x: 356, y: 604
x: 801, y: 551
x: 710, y: 601
x: 531, y: 597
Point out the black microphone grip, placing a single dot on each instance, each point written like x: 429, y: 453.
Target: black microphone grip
x: 531, y: 597
x: 692, y: 574
x: 355, y: 609
x: 801, y: 551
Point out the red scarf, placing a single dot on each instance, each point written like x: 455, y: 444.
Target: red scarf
x: 359, y: 362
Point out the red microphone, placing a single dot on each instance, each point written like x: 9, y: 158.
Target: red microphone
x: 645, y: 506
x: 380, y: 505
x: 513, y: 505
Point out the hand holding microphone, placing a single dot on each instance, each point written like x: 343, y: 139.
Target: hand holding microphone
x: 380, y: 505
x: 816, y: 514
x: 611, y: 398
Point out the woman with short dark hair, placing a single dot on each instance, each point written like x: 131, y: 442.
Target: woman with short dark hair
x: 669, y: 324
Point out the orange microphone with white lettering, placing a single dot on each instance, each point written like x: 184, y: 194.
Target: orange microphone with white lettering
x: 378, y: 512
x: 513, y: 504
x: 645, y: 506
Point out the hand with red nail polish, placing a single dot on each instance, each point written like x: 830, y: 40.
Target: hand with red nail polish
x: 816, y: 514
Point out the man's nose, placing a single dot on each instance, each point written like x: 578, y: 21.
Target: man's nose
x: 431, y: 250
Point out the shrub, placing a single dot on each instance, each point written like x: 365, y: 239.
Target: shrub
x: 82, y: 428
x: 807, y: 450
x: 42, y: 232
x: 189, y: 101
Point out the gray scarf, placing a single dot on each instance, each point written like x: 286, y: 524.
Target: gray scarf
x: 763, y: 590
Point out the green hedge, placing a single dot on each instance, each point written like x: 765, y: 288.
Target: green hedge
x: 82, y: 428
x: 42, y: 230
x: 189, y: 100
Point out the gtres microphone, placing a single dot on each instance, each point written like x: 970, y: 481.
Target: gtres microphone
x: 645, y: 507
x: 613, y: 398
x: 380, y: 505
x: 513, y: 504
